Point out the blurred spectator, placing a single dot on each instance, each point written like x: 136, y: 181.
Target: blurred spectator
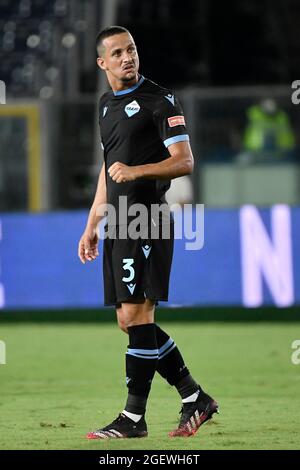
x: 268, y: 134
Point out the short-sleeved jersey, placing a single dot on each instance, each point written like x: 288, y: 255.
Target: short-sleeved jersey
x: 137, y: 126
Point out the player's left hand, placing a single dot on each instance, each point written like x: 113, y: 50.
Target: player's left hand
x: 121, y: 173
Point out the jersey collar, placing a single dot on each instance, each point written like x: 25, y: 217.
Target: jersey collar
x: 129, y: 90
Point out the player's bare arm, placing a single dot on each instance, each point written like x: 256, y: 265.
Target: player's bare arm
x: 88, y: 244
x: 180, y: 163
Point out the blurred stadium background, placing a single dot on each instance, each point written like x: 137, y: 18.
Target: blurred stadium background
x: 234, y: 66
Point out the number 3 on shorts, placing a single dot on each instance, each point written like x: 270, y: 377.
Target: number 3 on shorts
x: 127, y: 266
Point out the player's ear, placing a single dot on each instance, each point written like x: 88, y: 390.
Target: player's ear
x: 101, y: 63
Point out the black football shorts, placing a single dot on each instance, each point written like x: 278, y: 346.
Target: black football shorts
x: 137, y: 269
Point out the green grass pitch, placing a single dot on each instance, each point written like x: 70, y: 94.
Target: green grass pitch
x: 63, y: 380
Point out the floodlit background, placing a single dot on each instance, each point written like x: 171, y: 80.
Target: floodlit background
x: 236, y: 70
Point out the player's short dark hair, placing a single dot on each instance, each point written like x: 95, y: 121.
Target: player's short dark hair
x: 106, y: 33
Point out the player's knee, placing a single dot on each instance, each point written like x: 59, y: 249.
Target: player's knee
x: 135, y: 314
x: 122, y: 325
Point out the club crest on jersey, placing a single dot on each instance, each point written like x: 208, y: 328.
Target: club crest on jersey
x: 132, y: 108
x: 104, y: 111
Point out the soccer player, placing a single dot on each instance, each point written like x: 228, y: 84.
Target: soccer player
x: 145, y: 145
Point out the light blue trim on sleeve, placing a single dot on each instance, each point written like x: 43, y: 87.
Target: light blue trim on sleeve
x: 175, y: 139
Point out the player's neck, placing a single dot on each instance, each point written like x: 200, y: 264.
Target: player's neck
x: 118, y: 85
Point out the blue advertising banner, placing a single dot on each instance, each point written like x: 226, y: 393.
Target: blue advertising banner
x: 250, y: 257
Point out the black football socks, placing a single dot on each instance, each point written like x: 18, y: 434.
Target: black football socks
x: 141, y: 364
x: 172, y: 368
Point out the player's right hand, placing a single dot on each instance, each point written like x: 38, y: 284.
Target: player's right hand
x: 88, y: 246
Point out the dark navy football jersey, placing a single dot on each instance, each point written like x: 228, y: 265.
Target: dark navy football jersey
x: 137, y: 126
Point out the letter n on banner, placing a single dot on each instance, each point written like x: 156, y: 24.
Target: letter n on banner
x: 266, y: 257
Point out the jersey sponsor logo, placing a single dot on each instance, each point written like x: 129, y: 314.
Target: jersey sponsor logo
x: 132, y: 108
x: 131, y: 288
x: 146, y: 250
x: 170, y: 98
x: 104, y: 111
x: 176, y: 121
